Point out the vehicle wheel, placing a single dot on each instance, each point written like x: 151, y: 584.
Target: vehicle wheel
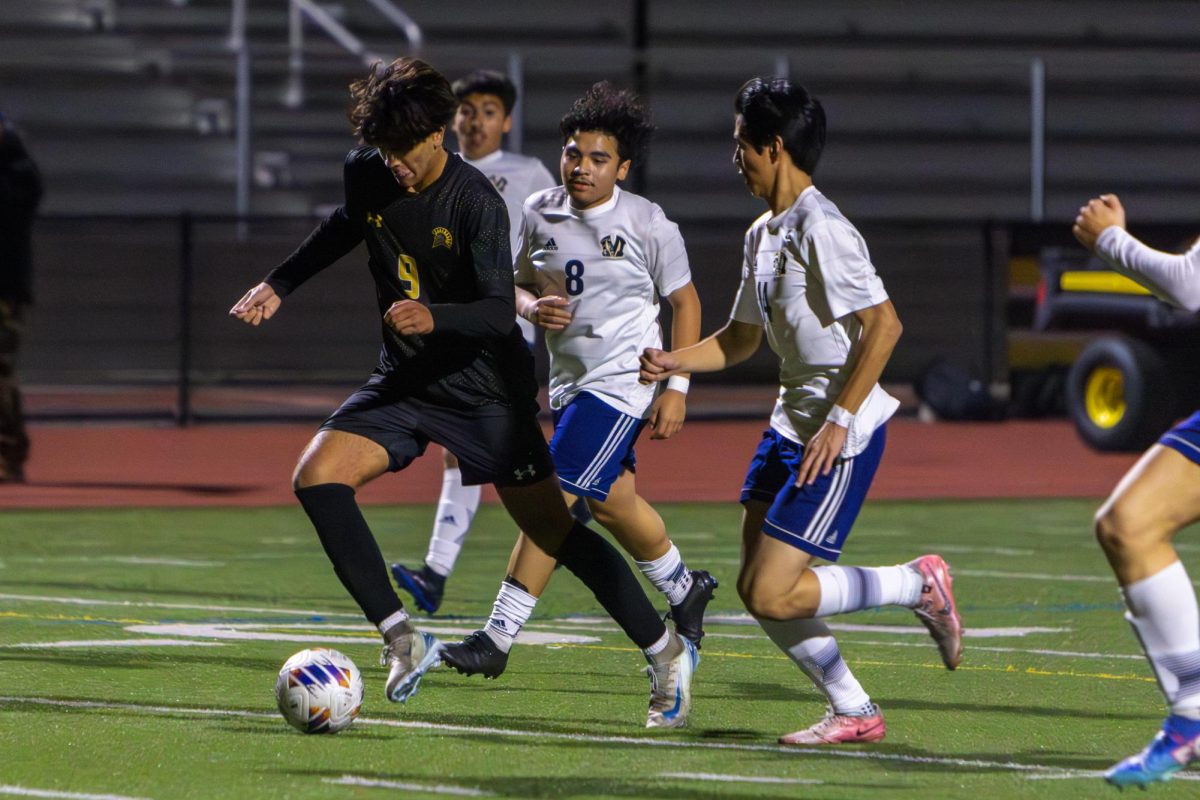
x: 1120, y: 394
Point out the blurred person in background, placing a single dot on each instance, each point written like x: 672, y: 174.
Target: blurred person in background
x: 20, y: 194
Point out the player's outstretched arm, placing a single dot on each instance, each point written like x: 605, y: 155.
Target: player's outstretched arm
x: 731, y: 345
x: 1100, y: 227
x: 257, y: 305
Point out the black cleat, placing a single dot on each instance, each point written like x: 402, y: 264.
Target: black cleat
x: 475, y: 655
x: 689, y: 614
x: 425, y: 585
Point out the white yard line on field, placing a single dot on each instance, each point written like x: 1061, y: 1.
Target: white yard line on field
x: 373, y: 783
x: 632, y: 741
x: 25, y: 791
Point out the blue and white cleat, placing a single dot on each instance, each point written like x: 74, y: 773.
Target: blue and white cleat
x: 671, y: 688
x: 1175, y: 746
x: 410, y: 657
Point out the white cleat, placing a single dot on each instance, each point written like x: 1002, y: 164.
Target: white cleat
x: 671, y: 688
x: 410, y: 657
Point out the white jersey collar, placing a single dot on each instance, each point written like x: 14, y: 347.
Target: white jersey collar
x: 776, y: 222
x: 595, y: 211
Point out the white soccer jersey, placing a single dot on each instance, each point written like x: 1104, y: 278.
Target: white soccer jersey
x: 805, y: 272
x: 610, y: 263
x: 515, y: 177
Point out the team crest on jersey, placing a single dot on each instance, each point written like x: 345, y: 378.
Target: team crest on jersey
x: 550, y: 244
x: 780, y: 263
x: 375, y: 219
x: 499, y: 181
x: 612, y: 246
x: 442, y: 238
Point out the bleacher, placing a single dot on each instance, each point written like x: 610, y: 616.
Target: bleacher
x: 928, y: 104
x: 129, y: 107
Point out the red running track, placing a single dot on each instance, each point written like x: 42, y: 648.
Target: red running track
x: 251, y: 465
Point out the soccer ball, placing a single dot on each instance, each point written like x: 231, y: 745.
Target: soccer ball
x: 319, y: 691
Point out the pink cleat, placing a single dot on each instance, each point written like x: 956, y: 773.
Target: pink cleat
x: 840, y: 729
x: 936, y: 609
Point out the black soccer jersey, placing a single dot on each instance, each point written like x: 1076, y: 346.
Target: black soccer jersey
x: 446, y: 247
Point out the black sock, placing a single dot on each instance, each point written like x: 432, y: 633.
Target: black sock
x: 597, y: 563
x: 351, y: 547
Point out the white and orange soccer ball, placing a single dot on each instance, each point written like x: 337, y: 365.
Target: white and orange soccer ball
x: 319, y: 691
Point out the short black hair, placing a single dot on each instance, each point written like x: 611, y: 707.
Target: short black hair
x: 487, y: 81
x: 773, y: 107
x: 400, y: 105
x: 617, y: 112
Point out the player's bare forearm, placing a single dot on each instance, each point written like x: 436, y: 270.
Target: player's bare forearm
x: 731, y: 345
x: 526, y: 300
x: 685, y: 316
x: 870, y: 354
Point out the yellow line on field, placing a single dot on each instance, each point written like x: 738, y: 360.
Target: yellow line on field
x: 85, y: 618
x: 1009, y: 669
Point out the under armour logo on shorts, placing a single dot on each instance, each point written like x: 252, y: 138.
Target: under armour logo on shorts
x: 521, y: 473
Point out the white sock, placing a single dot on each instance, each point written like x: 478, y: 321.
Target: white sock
x: 669, y: 575
x: 1163, y: 613
x: 510, y: 612
x: 660, y: 645
x: 846, y: 589
x: 456, y: 509
x: 809, y: 643
x: 398, y: 618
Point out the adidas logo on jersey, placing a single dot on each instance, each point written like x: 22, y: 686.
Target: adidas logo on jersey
x: 550, y: 244
x: 612, y: 246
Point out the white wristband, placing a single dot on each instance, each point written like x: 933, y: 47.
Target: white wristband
x: 679, y: 383
x: 840, y: 416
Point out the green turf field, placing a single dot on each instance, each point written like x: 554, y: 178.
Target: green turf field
x: 138, y: 651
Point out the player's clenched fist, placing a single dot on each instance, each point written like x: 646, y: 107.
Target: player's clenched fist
x: 657, y: 365
x: 256, y: 305
x: 549, y: 312
x: 1099, y: 213
x: 408, y: 317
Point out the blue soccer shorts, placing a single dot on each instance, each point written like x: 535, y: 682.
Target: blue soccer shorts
x: 592, y: 443
x: 1185, y: 437
x: 815, y: 518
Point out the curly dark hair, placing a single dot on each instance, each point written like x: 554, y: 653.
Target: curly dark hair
x: 617, y: 112
x: 773, y: 107
x: 400, y: 105
x: 486, y: 81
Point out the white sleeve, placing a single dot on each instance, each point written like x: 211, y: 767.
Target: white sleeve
x: 667, y: 259
x: 745, y: 304
x: 1174, y: 278
x: 839, y: 256
x: 523, y: 270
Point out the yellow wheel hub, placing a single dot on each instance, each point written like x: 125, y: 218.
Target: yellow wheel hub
x: 1104, y: 396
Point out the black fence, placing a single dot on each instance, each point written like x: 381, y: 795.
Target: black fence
x: 131, y: 312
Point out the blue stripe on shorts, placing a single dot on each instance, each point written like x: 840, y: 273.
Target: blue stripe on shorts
x: 592, y: 443
x: 818, y: 517
x: 1185, y: 437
